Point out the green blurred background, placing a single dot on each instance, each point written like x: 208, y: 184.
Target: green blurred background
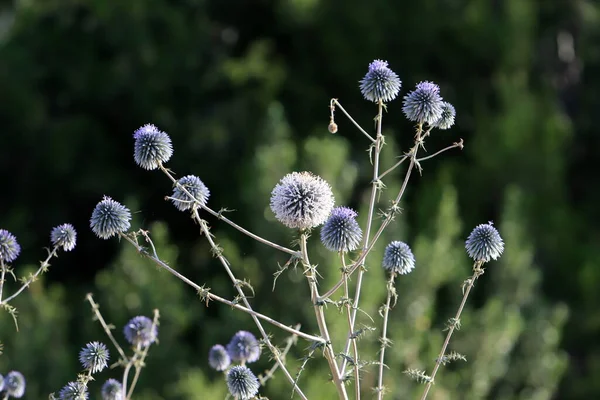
x: 242, y: 88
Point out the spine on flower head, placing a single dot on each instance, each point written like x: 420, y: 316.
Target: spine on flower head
x: 398, y: 258
x: 94, y: 357
x: 195, y: 187
x: 110, y: 218
x: 424, y: 104
x: 64, y: 236
x: 73, y: 391
x: 152, y: 147
x: 484, y: 243
x: 242, y: 383
x: 9, y: 248
x: 380, y: 83
x: 341, y: 232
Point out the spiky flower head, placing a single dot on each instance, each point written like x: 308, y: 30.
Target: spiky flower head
x: 140, y: 331
x: 242, y: 383
x: 380, y: 83
x: 484, y: 243
x: 112, y: 390
x: 73, y: 391
x: 302, y: 200
x: 14, y: 384
x: 94, y: 357
x: 196, y: 187
x: 152, y: 147
x: 447, y: 118
x: 64, y: 236
x: 341, y: 232
x: 9, y: 248
x: 218, y: 358
x: 424, y: 104
x: 398, y: 258
x: 110, y: 218
x: 244, y: 347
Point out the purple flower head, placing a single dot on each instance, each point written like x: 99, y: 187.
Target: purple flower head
x: 152, y: 147
x: 244, y: 347
x: 112, y: 390
x: 196, y: 187
x: 380, y: 83
x: 398, y: 258
x: 64, y: 236
x: 242, y: 383
x: 14, y: 384
x: 94, y: 357
x: 447, y: 118
x: 424, y: 104
x: 484, y: 243
x: 109, y: 218
x: 341, y: 232
x: 73, y: 391
x: 140, y: 331
x: 9, y: 248
x: 218, y: 358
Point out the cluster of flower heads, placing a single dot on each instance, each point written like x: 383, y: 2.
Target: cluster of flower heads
x: 63, y: 236
x: 242, y: 348
x: 12, y: 385
x: 93, y: 358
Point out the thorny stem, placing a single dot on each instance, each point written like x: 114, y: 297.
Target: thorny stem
x: 140, y: 362
x: 290, y: 341
x: 96, y: 309
x: 309, y: 272
x: 393, y: 167
x: 333, y: 103
x: 459, y: 144
x: 455, y: 324
x: 2, y: 279
x: 210, y: 296
x: 225, y: 264
x: 221, y: 217
x: 350, y: 327
x: 44, y: 265
x: 391, y: 292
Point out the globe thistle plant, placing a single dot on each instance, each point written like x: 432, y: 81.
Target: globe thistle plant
x: 110, y: 218
x: 398, y: 258
x: 112, y: 390
x: 446, y: 120
x: 140, y: 331
x: 64, y: 236
x: 242, y: 383
x: 341, y: 232
x: 380, y: 83
x: 94, y: 357
x: 14, y: 384
x: 424, y: 104
x: 484, y: 243
x: 218, y: 358
x: 196, y: 187
x: 152, y: 147
x: 9, y: 248
x: 302, y: 200
x: 73, y: 391
x: 244, y: 347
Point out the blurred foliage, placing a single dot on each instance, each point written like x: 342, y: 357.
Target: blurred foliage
x: 242, y: 88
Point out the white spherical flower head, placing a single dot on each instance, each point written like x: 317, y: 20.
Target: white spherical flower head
x: 302, y: 200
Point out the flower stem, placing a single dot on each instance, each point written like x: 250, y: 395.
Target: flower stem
x: 391, y: 292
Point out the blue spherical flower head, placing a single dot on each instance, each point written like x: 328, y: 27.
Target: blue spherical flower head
x: 244, y: 347
x: 424, y: 104
x: 94, y: 357
x: 152, y: 147
x: 242, y: 383
x: 140, y: 331
x: 196, y: 187
x: 380, y: 83
x: 110, y: 218
x: 73, y: 391
x: 398, y: 258
x: 112, y: 390
x: 341, y: 232
x: 14, y: 384
x: 218, y: 358
x: 447, y: 119
x: 302, y: 200
x: 484, y: 243
x: 64, y: 236
x: 9, y: 248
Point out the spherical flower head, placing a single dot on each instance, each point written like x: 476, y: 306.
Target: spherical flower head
x: 380, y: 83
x: 112, y: 390
x: 302, y: 200
x: 196, y: 187
x: 64, y: 236
x: 73, y: 391
x: 447, y: 118
x: 110, y: 218
x: 341, y: 232
x: 94, y: 357
x: 424, y: 104
x: 152, y: 147
x: 398, y: 258
x: 140, y: 331
x: 9, y: 248
x: 244, y: 347
x: 242, y: 383
x: 14, y: 384
x: 218, y: 358
x: 484, y: 243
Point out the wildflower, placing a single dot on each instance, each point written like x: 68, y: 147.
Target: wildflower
x: 244, y: 347
x: 140, y: 331
x: 73, y: 391
x: 302, y: 200
x: 242, y: 383
x: 110, y: 218
x: 380, y: 83
x: 398, y: 258
x: 14, y: 384
x: 341, y: 231
x: 1, y: 383
x: 424, y: 104
x: 112, y: 390
x: 9, y: 248
x: 64, y: 236
x: 218, y: 358
x: 196, y: 187
x: 94, y: 357
x: 447, y: 118
x: 152, y: 147
x: 484, y: 243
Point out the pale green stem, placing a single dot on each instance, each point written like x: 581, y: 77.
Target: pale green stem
x: 386, y: 312
x: 44, y: 264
